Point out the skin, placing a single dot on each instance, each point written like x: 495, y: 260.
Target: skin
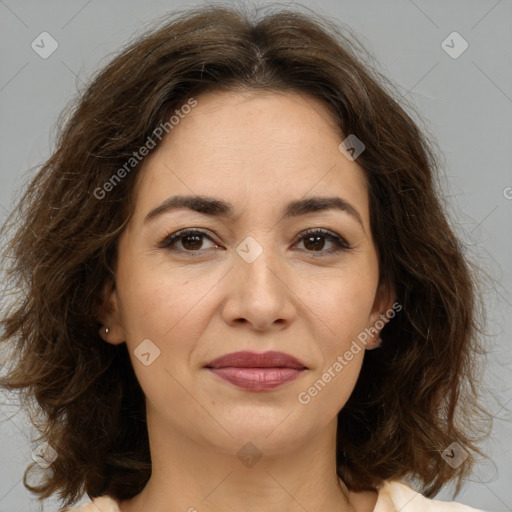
x: 257, y: 151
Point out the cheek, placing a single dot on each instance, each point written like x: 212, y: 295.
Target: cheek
x: 329, y: 388
x: 344, y: 314
x: 170, y: 310
x: 161, y: 310
x: 343, y: 302
x: 155, y: 301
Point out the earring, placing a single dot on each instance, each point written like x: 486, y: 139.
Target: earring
x: 107, y: 330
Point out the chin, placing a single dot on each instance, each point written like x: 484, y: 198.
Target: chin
x: 274, y: 435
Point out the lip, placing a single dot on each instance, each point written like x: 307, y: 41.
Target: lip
x: 257, y: 371
x: 247, y: 359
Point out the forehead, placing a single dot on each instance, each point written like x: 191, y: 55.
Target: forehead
x: 252, y: 146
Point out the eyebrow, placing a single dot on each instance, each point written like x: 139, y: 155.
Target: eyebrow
x: 219, y: 208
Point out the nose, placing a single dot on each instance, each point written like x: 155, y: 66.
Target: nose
x: 259, y: 293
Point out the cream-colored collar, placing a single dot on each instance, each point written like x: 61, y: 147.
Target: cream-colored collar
x: 394, y: 496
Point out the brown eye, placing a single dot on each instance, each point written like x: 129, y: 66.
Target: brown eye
x: 191, y: 240
x: 314, y: 241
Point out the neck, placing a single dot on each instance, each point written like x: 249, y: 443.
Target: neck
x: 192, y: 475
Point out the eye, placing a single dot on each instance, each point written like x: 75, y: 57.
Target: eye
x: 191, y: 240
x: 312, y: 239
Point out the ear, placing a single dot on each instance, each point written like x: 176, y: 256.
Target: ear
x: 383, y: 310
x: 108, y: 315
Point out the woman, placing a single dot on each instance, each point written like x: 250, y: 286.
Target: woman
x: 237, y: 285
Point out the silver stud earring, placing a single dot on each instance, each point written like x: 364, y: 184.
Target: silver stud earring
x: 107, y: 330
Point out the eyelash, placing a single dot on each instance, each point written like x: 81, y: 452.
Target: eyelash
x: 169, y: 240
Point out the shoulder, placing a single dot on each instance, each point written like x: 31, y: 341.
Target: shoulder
x: 393, y: 496
x: 103, y: 503
x: 397, y: 496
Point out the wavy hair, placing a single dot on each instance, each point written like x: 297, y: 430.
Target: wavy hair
x: 415, y: 395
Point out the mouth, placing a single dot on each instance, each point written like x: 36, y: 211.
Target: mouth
x: 257, y: 371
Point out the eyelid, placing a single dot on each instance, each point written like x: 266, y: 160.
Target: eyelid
x: 342, y: 245
x: 168, y: 239
x: 336, y: 239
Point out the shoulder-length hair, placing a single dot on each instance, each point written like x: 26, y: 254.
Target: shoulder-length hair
x: 415, y: 396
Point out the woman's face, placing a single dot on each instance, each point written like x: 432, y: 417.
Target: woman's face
x: 253, y: 279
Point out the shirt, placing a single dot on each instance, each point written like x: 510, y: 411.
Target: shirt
x: 393, y: 496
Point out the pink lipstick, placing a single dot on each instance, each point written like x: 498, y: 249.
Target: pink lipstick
x: 257, y: 371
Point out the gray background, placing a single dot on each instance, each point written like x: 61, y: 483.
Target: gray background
x: 466, y: 102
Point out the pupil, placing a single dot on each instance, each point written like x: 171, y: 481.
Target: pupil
x: 316, y: 245
x: 315, y: 241
x: 197, y: 241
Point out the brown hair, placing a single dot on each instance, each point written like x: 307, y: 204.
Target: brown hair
x: 415, y: 395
